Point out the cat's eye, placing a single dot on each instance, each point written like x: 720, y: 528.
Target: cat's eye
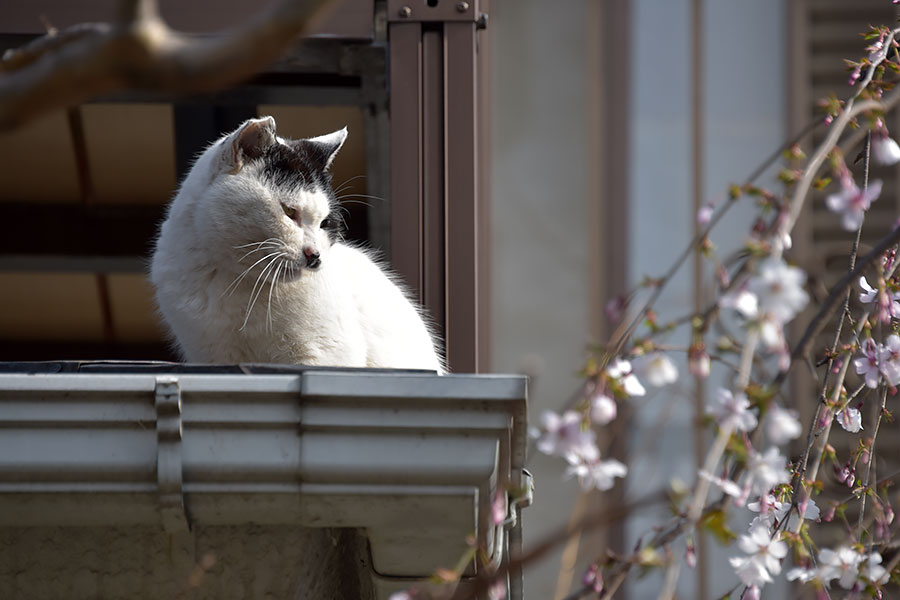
x: 326, y: 223
x: 290, y: 211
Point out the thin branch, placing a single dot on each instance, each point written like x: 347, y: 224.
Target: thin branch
x: 889, y: 102
x: 143, y: 53
x: 621, y: 336
x: 18, y: 58
x: 871, y: 450
x: 834, y: 133
x: 539, y: 550
x: 819, y: 320
x: 812, y: 168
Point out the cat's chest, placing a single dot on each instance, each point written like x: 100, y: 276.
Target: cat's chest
x: 311, y: 321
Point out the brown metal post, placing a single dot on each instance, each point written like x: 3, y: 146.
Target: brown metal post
x: 483, y: 127
x: 433, y: 204
x: 462, y: 198
x: 438, y: 205
x: 406, y: 153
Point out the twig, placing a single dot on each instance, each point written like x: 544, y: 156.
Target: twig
x: 812, y: 168
x: 834, y: 132
x: 539, y: 550
x: 622, y: 337
x: 889, y: 102
x: 871, y: 450
x: 820, y: 319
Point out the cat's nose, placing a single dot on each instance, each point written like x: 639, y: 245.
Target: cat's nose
x: 312, y: 258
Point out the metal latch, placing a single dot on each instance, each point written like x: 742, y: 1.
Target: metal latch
x: 425, y: 11
x: 522, y: 499
x: 517, y: 499
x: 169, y: 457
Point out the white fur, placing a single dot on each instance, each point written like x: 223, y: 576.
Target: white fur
x: 348, y: 312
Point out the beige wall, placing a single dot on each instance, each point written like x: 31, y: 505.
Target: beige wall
x: 541, y: 261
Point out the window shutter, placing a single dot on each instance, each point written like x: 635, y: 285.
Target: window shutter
x: 824, y: 33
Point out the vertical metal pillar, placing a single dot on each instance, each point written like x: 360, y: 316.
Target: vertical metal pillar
x: 439, y: 232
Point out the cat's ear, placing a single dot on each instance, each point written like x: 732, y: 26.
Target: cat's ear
x: 324, y: 148
x: 249, y: 141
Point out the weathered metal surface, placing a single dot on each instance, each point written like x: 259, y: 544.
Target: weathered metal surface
x: 411, y: 458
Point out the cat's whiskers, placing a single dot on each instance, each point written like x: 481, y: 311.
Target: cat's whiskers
x: 344, y: 199
x: 269, y: 244
x: 259, y: 285
x: 237, y: 280
x: 278, y: 269
x: 266, y: 241
x: 347, y: 184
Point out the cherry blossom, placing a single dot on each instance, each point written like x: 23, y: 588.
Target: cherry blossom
x: 888, y: 305
x: 564, y: 436
x: 873, y: 571
x: 698, y: 361
x: 846, y: 474
x: 782, y: 425
x: 779, y: 289
x: 850, y: 419
x: 842, y: 564
x: 802, y: 574
x: 593, y: 578
x: 726, y: 485
x: 867, y: 365
x: 732, y: 410
x: 771, y: 332
x: 771, y: 298
x: 868, y: 293
x: 742, y: 301
x: 705, y: 214
x: 764, y: 556
x: 690, y: 553
x: 615, y: 308
x: 885, y: 150
x: 620, y: 369
x: 889, y: 359
x: 656, y: 368
x: 603, y: 408
x: 776, y: 511
x: 765, y: 471
x: 497, y: 590
x: 852, y: 203
x: 599, y: 474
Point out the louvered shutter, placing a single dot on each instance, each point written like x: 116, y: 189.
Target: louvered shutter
x: 825, y: 32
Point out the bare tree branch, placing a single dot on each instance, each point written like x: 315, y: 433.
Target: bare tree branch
x: 141, y: 52
x: 818, y: 322
x: 17, y: 58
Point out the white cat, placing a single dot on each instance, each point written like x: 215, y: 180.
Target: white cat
x: 249, y: 267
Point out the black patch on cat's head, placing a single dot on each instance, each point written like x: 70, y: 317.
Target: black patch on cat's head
x: 300, y: 165
x: 289, y: 167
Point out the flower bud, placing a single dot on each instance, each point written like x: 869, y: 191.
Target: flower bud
x: 698, y: 361
x: 593, y: 579
x: 615, y: 309
x: 690, y: 554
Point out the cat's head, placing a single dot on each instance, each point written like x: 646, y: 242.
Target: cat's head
x: 254, y: 196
